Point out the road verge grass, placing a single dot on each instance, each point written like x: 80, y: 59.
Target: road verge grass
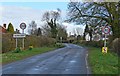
x: 102, y: 63
x: 11, y: 56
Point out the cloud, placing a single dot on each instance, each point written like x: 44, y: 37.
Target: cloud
x: 71, y: 28
x: 35, y: 0
x: 16, y: 15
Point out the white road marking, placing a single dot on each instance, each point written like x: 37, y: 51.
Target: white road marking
x: 86, y: 63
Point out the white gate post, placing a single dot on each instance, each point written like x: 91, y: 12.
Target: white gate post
x: 23, y: 43
x: 16, y: 42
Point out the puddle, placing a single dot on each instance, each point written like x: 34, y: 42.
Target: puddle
x: 73, y: 61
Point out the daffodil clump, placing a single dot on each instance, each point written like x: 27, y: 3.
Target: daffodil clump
x: 17, y: 50
x: 30, y: 47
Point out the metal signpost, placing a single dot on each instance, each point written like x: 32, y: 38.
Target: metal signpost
x: 22, y: 26
x: 61, y: 39
x: 106, y: 30
x: 18, y: 36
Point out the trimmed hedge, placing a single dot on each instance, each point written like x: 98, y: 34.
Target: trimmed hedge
x: 116, y: 46
x: 113, y: 45
x: 8, y: 42
x: 92, y: 43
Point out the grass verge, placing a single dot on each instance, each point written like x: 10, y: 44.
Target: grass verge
x: 11, y: 57
x: 102, y: 63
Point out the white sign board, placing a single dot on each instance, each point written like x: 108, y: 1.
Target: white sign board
x: 19, y: 35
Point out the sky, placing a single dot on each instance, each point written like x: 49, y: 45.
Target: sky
x: 17, y: 12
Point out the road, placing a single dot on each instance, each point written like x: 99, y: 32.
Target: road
x: 71, y: 59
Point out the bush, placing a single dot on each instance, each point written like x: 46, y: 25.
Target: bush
x: 30, y: 47
x: 8, y: 42
x: 59, y: 45
x: 93, y: 43
x: 115, y: 45
x: 17, y: 50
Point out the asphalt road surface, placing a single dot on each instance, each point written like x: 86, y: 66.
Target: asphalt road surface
x: 71, y: 59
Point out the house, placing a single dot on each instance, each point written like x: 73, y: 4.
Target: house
x: 71, y: 38
x: 3, y: 29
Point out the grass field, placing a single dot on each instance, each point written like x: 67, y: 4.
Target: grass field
x: 102, y: 63
x: 10, y: 56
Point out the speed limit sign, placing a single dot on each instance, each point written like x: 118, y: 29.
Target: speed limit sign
x: 22, y: 26
x: 106, y: 30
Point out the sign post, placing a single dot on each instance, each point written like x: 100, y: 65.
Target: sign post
x: 61, y: 39
x: 19, y: 36
x: 23, y: 26
x: 106, y: 30
x: 16, y: 42
x: 23, y: 43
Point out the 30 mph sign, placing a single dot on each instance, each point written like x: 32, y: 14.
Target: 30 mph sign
x: 106, y: 30
x: 22, y: 26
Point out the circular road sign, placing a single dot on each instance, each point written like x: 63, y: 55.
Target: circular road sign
x: 106, y: 30
x: 22, y: 26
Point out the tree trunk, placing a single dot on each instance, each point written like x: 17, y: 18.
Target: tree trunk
x: 116, y: 31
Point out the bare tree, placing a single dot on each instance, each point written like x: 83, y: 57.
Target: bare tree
x: 51, y: 18
x: 32, y: 28
x: 79, y: 31
x: 96, y: 13
x: 46, y: 30
x: 61, y: 32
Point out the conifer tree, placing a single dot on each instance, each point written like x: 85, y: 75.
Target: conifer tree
x: 10, y: 28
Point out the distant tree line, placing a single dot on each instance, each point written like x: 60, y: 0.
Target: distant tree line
x: 51, y: 27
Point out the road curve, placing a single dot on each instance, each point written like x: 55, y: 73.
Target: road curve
x: 71, y: 59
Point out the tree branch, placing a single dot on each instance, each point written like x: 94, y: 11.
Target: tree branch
x: 78, y: 16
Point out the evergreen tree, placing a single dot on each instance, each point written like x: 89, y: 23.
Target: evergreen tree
x: 85, y: 31
x: 39, y: 32
x: 89, y: 31
x: 10, y: 28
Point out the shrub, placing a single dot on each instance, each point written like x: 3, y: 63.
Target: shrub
x: 8, y: 42
x: 30, y: 47
x: 93, y: 43
x: 115, y: 45
x: 59, y: 45
x: 17, y: 50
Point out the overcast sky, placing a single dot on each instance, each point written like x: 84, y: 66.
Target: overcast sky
x: 16, y: 13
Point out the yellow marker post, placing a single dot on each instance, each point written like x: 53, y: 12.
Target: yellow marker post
x: 104, y: 49
x: 106, y: 30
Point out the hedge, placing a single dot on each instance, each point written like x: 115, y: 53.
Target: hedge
x: 113, y: 45
x: 8, y: 42
x: 93, y: 43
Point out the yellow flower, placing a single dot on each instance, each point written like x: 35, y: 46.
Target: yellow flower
x: 30, y: 46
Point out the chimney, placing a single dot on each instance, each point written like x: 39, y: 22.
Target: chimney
x: 4, y: 25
